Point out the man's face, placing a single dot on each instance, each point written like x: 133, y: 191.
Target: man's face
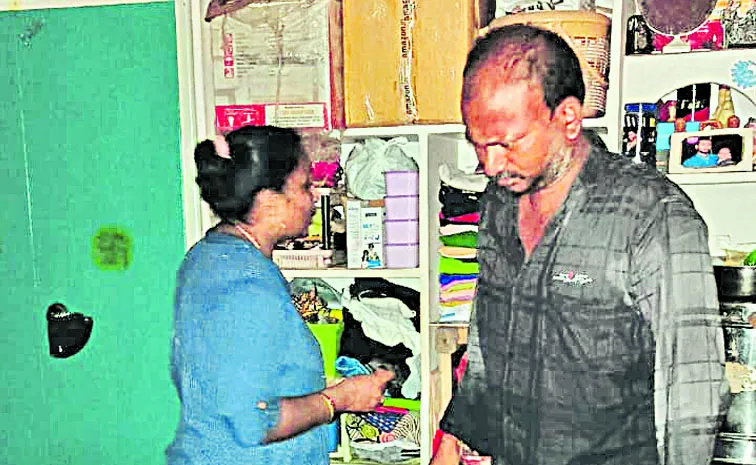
x: 511, y: 129
x: 704, y: 146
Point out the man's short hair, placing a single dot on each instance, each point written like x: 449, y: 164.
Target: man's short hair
x: 704, y: 138
x: 527, y: 53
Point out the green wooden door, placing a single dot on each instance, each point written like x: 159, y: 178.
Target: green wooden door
x: 89, y: 138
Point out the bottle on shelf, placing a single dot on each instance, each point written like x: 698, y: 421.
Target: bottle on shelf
x: 725, y: 107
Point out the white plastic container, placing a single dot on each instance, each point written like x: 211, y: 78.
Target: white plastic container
x: 401, y: 231
x: 402, y: 207
x: 400, y: 183
x: 402, y: 255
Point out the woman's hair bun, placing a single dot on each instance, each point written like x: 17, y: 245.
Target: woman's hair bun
x: 262, y: 157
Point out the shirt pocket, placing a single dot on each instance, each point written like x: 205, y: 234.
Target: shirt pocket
x: 593, y: 321
x: 594, y: 347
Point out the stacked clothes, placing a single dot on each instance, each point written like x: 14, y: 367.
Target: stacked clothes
x: 389, y: 434
x: 459, y: 195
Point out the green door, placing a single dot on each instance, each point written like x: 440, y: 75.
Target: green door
x: 89, y: 141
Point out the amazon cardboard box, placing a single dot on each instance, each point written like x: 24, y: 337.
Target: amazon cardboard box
x: 403, y: 59
x: 279, y: 63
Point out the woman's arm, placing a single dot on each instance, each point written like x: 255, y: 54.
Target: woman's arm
x: 299, y: 414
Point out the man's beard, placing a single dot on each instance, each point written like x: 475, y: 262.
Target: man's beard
x: 560, y: 161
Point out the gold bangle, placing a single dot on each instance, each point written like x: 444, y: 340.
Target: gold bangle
x: 330, y: 404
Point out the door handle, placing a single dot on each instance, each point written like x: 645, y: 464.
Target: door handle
x: 67, y: 332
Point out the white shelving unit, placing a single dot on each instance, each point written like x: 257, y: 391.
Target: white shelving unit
x: 721, y: 198
x: 646, y: 78
x: 417, y: 147
x: 723, y: 201
x: 331, y: 273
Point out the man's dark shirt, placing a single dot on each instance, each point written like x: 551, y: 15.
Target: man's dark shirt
x: 604, y: 346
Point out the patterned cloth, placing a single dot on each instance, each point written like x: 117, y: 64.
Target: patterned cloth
x: 605, y: 345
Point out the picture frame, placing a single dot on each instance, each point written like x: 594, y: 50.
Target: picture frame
x: 707, y: 151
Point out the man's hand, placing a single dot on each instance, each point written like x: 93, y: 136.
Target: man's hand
x: 448, y: 452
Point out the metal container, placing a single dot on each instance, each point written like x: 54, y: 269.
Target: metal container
x: 736, y: 441
x: 736, y: 283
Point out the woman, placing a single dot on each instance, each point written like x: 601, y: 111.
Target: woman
x: 248, y: 371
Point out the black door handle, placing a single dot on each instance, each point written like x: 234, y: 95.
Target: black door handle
x: 67, y: 332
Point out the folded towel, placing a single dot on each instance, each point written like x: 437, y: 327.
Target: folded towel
x: 450, y: 229
x: 458, y: 252
x: 446, y: 279
x: 458, y: 286
x: 465, y: 239
x: 468, y: 218
x: 454, y: 266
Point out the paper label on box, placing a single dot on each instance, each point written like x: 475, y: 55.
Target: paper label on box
x: 364, y: 235
x: 353, y: 233
x: 371, y: 229
x: 303, y: 115
x: 272, y: 66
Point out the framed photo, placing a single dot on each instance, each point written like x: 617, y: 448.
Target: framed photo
x: 711, y: 151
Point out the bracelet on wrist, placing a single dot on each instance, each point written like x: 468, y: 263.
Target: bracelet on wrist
x: 330, y: 404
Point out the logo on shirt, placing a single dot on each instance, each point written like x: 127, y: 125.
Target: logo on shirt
x: 572, y: 278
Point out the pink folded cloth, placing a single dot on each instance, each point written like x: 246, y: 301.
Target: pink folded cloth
x: 468, y: 218
x: 464, y: 295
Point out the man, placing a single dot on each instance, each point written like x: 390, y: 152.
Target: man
x: 703, y: 158
x: 596, y: 336
x: 724, y: 156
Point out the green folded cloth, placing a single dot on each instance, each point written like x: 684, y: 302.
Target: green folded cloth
x: 448, y: 265
x: 463, y: 239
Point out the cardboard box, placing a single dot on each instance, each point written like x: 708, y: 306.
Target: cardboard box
x: 374, y: 82
x: 279, y: 63
x: 444, y: 33
x: 364, y: 222
x: 403, y: 60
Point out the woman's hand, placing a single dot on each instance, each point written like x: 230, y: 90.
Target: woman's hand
x: 355, y: 394
x: 360, y: 393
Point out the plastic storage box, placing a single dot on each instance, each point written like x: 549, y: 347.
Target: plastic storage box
x: 400, y: 183
x: 402, y: 255
x: 401, y: 232
x: 402, y: 207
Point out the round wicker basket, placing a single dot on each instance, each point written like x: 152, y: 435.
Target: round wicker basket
x: 587, y: 32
